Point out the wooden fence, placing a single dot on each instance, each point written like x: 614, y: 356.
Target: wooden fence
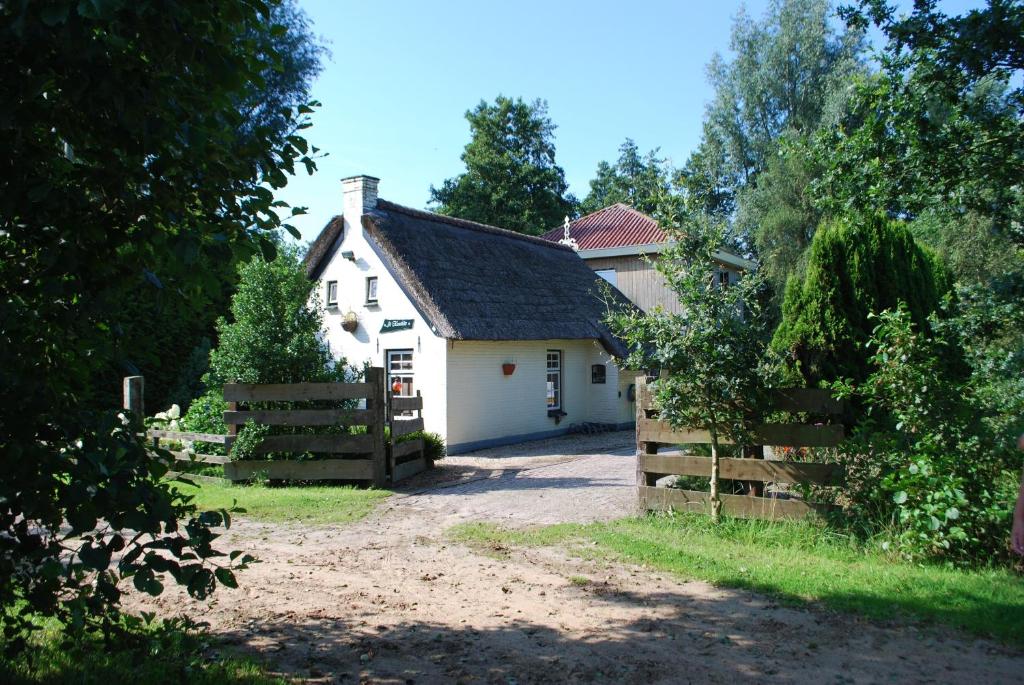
x: 653, y: 434
x: 366, y: 457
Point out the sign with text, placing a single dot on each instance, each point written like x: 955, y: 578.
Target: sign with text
x: 392, y: 325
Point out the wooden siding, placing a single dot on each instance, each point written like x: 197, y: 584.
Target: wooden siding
x: 640, y: 282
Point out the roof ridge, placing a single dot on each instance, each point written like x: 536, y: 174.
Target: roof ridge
x: 631, y: 208
x: 465, y: 223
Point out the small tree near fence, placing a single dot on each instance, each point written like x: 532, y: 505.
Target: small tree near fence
x: 710, y: 354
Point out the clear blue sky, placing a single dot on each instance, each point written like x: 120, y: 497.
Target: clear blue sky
x: 403, y: 73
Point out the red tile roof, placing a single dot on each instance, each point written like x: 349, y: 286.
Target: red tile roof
x: 616, y: 226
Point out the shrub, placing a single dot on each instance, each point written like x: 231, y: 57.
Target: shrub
x: 855, y: 266
x: 206, y: 415
x: 926, y: 462
x: 433, y: 444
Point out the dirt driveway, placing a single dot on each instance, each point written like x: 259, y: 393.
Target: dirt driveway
x: 391, y: 600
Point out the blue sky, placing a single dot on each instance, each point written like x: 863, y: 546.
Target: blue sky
x: 402, y: 74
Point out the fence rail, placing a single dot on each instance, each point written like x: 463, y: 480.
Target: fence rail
x: 754, y: 470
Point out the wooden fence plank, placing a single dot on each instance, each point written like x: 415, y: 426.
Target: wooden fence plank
x: 799, y: 435
x: 400, y: 428
x: 406, y: 404
x: 644, y: 397
x: 201, y: 458
x: 333, y: 444
x: 811, y: 400
x: 215, y: 480
x: 403, y: 449
x: 743, y: 469
x: 743, y: 506
x: 295, y: 392
x: 194, y: 437
x: 301, y: 417
x: 653, y: 430
x: 408, y: 468
x: 827, y: 435
x: 320, y: 469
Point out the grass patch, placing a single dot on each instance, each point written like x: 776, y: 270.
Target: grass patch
x: 283, y: 504
x: 155, y: 655
x: 796, y: 563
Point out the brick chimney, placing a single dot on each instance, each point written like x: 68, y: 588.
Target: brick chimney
x: 359, y: 195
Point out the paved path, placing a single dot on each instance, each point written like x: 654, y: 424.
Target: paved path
x: 568, y: 479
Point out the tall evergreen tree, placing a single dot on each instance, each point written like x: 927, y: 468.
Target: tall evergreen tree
x: 634, y: 179
x: 856, y: 267
x: 511, y: 178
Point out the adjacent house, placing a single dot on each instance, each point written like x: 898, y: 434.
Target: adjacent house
x: 501, y: 333
x: 621, y: 245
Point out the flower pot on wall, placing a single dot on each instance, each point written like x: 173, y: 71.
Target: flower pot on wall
x: 350, y: 323
x: 508, y: 369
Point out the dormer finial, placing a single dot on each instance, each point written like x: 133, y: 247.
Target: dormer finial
x: 567, y: 239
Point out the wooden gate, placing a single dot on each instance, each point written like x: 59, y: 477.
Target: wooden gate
x: 405, y: 458
x: 653, y: 434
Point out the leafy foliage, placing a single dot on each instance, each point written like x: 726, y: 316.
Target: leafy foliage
x: 636, y: 180
x: 941, y: 125
x: 274, y: 335
x: 856, y: 266
x: 511, y: 179
x: 123, y: 147
x: 929, y: 458
x: 789, y: 74
x: 711, y: 353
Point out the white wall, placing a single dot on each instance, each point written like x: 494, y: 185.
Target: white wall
x: 484, y: 405
x: 367, y: 343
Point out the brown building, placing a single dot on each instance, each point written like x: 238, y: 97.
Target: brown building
x: 621, y: 245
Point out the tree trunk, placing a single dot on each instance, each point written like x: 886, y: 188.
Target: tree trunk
x: 716, y: 500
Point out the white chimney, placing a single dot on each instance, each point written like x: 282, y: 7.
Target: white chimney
x: 359, y: 195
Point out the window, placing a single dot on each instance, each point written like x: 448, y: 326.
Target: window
x: 598, y: 374
x: 554, y: 389
x: 401, y: 376
x: 723, y: 278
x: 332, y: 293
x: 371, y: 290
x: 608, y: 275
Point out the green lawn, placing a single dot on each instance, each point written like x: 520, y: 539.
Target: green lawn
x: 302, y: 504
x: 794, y: 562
x: 154, y: 656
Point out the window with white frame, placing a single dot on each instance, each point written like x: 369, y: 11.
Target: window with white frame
x: 608, y: 275
x: 371, y: 290
x: 554, y: 380
x: 401, y: 374
x: 332, y: 293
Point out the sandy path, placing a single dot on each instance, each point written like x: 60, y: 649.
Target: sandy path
x: 390, y: 600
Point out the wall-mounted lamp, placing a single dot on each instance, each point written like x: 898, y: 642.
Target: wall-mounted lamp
x: 349, y: 255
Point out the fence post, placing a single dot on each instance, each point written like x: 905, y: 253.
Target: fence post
x: 132, y: 390
x: 377, y: 404
x: 642, y: 447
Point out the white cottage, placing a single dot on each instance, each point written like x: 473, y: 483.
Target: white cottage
x: 500, y: 332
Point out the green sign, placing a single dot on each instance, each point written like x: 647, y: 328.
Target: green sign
x: 391, y: 325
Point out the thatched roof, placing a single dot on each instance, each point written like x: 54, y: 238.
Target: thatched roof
x: 320, y: 252
x: 477, y: 282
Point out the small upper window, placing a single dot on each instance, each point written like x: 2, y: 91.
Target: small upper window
x: 598, y: 374
x: 332, y: 293
x: 371, y: 290
x: 723, y: 278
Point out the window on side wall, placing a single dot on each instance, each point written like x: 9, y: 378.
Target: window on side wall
x: 723, y: 278
x: 554, y: 380
x: 332, y: 293
x: 598, y: 374
x: 371, y: 290
x: 608, y: 275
